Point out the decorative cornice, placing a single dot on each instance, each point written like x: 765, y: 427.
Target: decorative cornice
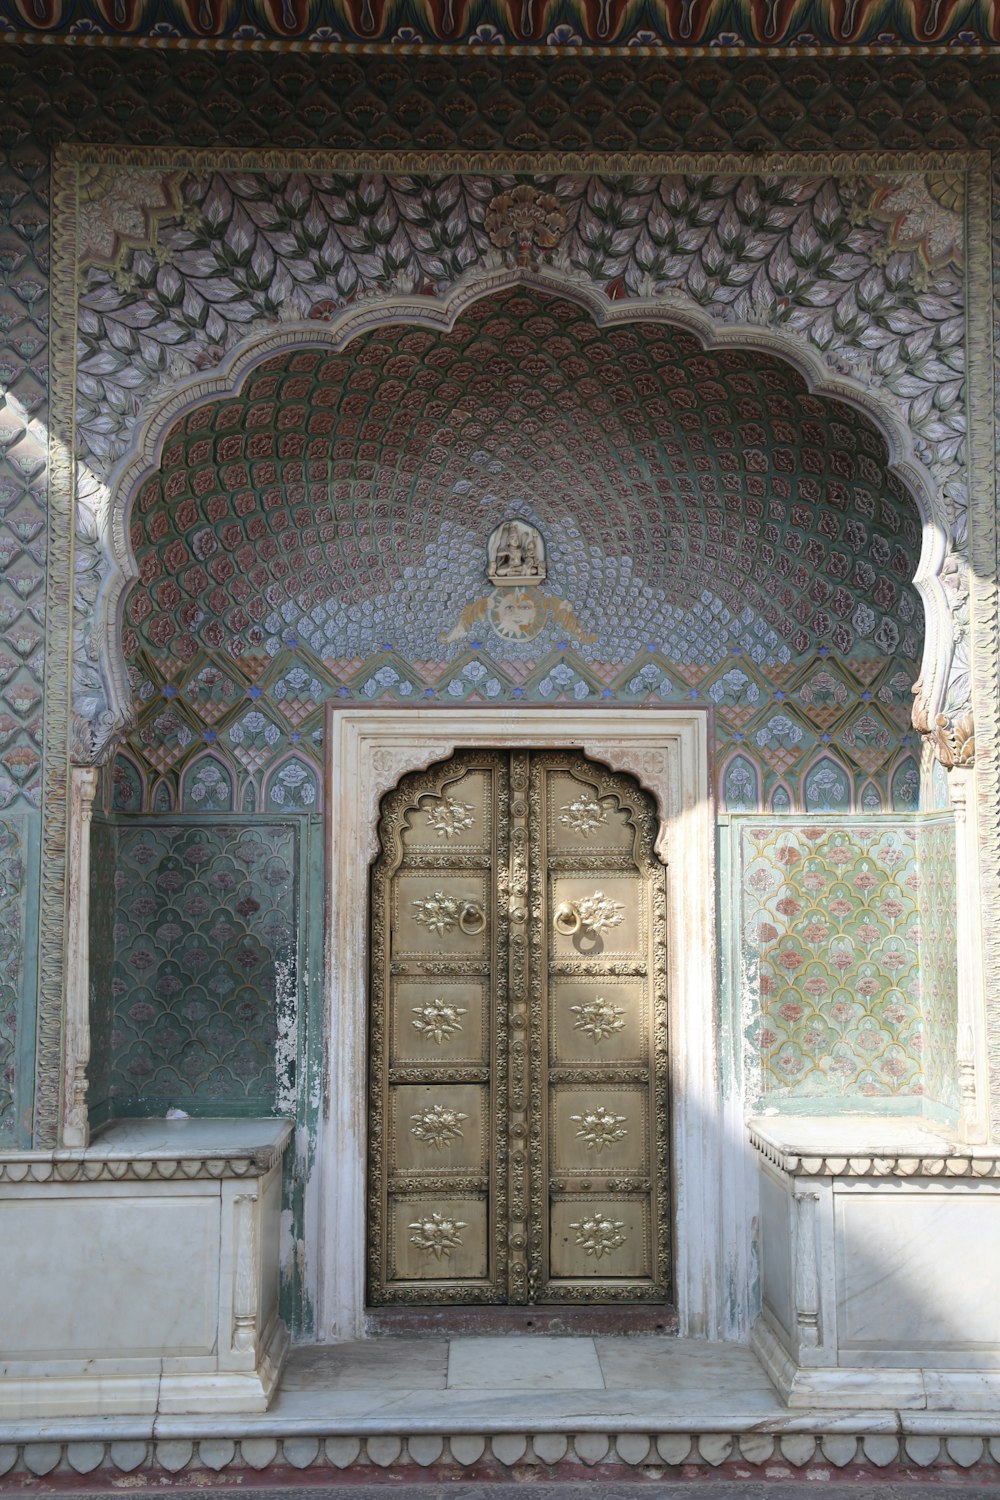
x: 949, y: 1161
x: 755, y: 27
x: 28, y: 1168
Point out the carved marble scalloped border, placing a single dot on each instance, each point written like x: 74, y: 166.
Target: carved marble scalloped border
x: 31, y: 1167
x: 791, y: 1445
x: 948, y: 1162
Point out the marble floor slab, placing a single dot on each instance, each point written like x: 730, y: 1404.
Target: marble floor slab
x: 680, y: 1366
x: 390, y: 1364
x: 524, y: 1363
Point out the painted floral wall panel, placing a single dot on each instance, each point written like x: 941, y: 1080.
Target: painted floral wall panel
x: 938, y: 992
x: 205, y: 974
x: 834, y: 964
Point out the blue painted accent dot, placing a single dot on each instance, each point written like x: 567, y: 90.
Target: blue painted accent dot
x: 779, y: 697
x: 386, y: 645
x: 738, y: 738
x: 292, y: 642
x: 428, y: 692
x: 694, y: 693
x: 824, y: 739
x: 210, y: 736
x: 517, y: 693
x: 343, y: 692
x: 254, y: 692
x: 824, y: 651
x: 169, y: 692
x: 295, y: 737
x: 562, y: 645
x: 476, y: 645
x: 607, y: 693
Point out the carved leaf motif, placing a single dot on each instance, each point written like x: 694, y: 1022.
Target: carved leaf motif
x: 437, y: 1235
x: 437, y: 1019
x: 599, y: 912
x: 438, y: 912
x: 600, y: 1127
x: 598, y: 1235
x: 448, y: 817
x: 437, y: 1126
x: 598, y: 1018
x: 583, y: 814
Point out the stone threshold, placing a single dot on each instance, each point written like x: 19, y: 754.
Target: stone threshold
x: 495, y: 1408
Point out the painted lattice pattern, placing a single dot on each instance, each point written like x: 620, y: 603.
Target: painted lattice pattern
x: 204, y: 975
x: 832, y: 931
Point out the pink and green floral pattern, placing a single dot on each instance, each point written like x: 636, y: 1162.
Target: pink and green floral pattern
x: 835, y: 948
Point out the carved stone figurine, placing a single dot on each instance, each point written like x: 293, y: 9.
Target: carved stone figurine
x: 516, y: 554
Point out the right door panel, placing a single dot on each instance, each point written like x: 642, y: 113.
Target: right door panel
x: 601, y: 1229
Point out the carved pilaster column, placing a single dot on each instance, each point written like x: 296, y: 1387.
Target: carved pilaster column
x: 76, y: 1126
x: 245, y: 1272
x: 806, y: 1270
x: 971, y: 1018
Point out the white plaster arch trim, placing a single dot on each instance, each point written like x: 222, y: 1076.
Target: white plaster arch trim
x: 674, y: 308
x: 368, y: 749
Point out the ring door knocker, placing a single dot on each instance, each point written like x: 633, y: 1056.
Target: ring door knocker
x: 472, y: 919
x: 567, y: 919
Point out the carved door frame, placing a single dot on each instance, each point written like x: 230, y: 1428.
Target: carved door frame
x: 368, y: 750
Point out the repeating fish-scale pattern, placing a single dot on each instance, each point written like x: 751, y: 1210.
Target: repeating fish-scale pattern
x: 23, y: 464
x: 489, y: 99
x: 204, y: 966
x: 557, y: 24
x: 832, y: 927
x: 322, y: 533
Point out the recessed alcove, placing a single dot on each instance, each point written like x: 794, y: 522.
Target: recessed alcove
x: 311, y: 551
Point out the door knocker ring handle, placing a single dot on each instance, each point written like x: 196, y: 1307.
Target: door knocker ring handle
x: 472, y: 919
x: 567, y: 918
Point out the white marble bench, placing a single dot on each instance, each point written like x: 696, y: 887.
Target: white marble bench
x: 880, y: 1264
x: 140, y: 1273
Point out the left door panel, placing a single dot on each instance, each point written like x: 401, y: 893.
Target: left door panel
x: 438, y: 1110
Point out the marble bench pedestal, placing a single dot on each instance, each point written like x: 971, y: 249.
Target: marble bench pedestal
x: 880, y: 1265
x: 140, y: 1273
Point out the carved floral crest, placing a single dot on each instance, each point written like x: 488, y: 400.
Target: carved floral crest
x: 527, y: 221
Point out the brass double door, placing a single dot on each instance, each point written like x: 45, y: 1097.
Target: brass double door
x: 518, y: 1140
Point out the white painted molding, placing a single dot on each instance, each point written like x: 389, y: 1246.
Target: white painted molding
x: 368, y: 749
x: 76, y: 1053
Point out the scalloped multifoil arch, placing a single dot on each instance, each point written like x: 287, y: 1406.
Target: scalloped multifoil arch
x: 674, y: 308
